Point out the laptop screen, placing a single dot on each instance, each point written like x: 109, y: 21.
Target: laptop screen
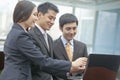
x: 102, y: 67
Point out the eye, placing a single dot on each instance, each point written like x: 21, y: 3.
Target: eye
x: 51, y: 18
x: 68, y: 28
x: 74, y: 28
x: 35, y: 14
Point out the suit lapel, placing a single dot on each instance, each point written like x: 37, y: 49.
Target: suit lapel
x: 62, y: 49
x: 50, y: 42
x: 76, y: 50
x: 41, y: 38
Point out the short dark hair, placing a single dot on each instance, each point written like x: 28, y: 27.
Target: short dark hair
x: 44, y: 7
x: 67, y: 18
x: 22, y: 11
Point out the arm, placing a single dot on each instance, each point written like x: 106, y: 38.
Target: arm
x: 28, y: 49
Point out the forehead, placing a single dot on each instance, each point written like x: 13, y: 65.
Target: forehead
x: 51, y: 12
x: 70, y: 25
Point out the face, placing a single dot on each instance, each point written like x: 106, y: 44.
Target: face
x: 46, y: 20
x: 69, y: 30
x: 30, y: 22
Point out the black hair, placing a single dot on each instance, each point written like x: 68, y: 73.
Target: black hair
x: 67, y: 18
x: 44, y: 7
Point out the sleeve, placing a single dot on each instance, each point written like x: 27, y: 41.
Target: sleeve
x: 47, y: 64
x: 85, y: 51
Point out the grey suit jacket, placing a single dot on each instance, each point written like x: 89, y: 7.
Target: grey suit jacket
x: 20, y: 51
x: 39, y: 41
x: 80, y: 50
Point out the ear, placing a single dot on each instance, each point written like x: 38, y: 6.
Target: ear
x: 39, y: 14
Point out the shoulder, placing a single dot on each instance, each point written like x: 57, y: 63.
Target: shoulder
x: 57, y: 40
x: 76, y: 42
x: 50, y: 37
x: 32, y: 30
x: 17, y: 31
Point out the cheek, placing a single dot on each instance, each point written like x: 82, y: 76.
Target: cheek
x: 67, y: 34
x: 31, y: 23
x: 30, y: 20
x: 44, y: 21
x: 75, y: 32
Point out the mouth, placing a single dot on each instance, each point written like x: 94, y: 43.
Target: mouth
x: 71, y: 37
x: 49, y: 26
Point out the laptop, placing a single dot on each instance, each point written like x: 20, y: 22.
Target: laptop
x: 102, y: 67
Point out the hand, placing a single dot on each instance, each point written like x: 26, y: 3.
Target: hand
x: 78, y: 65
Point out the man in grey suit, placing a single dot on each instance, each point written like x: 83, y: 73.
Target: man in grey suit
x: 68, y: 25
x: 46, y: 15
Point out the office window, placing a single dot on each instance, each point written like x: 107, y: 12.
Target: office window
x: 107, y: 29
x: 6, y: 11
x: 86, y: 26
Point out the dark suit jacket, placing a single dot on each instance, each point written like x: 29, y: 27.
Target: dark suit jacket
x: 80, y: 50
x: 20, y: 50
x: 39, y: 41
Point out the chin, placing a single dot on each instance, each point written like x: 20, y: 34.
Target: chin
x: 33, y: 25
x: 48, y: 29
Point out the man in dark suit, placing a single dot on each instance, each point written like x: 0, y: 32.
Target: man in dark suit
x: 68, y: 25
x: 46, y: 16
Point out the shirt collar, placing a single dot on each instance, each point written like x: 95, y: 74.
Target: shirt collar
x: 40, y: 28
x: 65, y: 41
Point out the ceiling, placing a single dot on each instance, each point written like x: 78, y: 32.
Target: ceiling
x: 94, y: 4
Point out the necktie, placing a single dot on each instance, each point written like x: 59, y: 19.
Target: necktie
x: 69, y: 51
x: 46, y: 39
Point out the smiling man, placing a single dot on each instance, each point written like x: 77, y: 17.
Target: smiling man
x: 46, y: 16
x: 68, y: 25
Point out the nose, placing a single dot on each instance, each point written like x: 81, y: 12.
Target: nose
x: 52, y: 21
x: 72, y: 31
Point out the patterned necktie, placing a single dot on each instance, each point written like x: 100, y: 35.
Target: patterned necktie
x: 69, y: 51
